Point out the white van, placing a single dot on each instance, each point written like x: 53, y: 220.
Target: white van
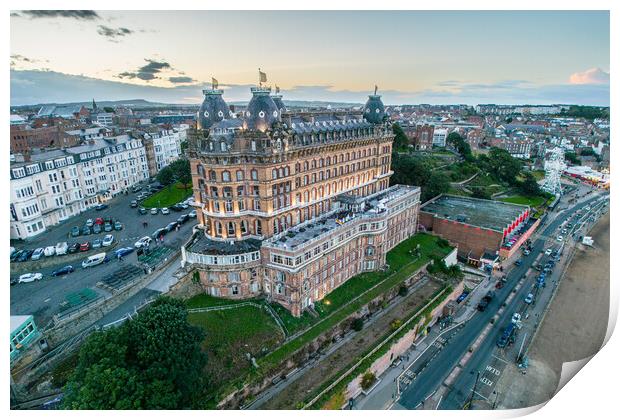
x: 49, y: 251
x: 61, y: 248
x: 93, y: 260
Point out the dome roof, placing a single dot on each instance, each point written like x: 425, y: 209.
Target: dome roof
x: 277, y: 99
x: 261, y: 112
x: 213, y: 109
x: 374, y: 111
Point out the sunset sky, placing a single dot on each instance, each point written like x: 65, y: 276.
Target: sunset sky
x: 414, y: 57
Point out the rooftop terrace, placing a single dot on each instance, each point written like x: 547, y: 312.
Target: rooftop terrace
x: 488, y: 214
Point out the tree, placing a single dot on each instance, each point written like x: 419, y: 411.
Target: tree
x: 478, y: 192
x: 401, y: 141
x: 165, y: 176
x: 409, y: 170
x: 572, y: 158
x: 151, y: 362
x: 529, y: 186
x: 368, y: 379
x: 461, y: 146
x: 182, y: 172
x: 358, y: 324
x: 502, y: 165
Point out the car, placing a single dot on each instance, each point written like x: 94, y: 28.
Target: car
x: 192, y: 213
x: 184, y: 205
x: 107, y: 240
x: 15, y: 256
x: 108, y: 227
x: 37, y: 254
x: 482, y: 306
x: 507, y: 336
x: 108, y: 219
x: 90, y: 222
x: 29, y: 277
x: 96, y: 243
x: 142, y: 210
x: 94, y: 260
x: 73, y: 248
x: 49, y: 251
x: 176, y: 207
x: 171, y: 226
x: 99, y: 221
x: 25, y: 255
x: 133, y: 204
x: 462, y: 297
x: 142, y: 242
x: 516, y: 318
x: 97, y: 229
x: 86, y: 230
x: 564, y: 232
x: 158, y: 233
x: 570, y: 225
x: 526, y: 252
x: 121, y: 252
x: 118, y: 226
x: 518, y: 262
x: 560, y: 238
x: 499, y: 284
x: 154, y: 211
x: 84, y: 246
x: 63, y: 271
x: 548, y: 251
x: 529, y: 298
x: 165, y: 210
x: 101, y: 207
x: 183, y: 219
x: 75, y: 231
x: 136, y: 188
x: 61, y: 248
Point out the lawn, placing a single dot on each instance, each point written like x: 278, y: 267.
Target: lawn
x: 526, y: 201
x: 230, y: 335
x: 168, y: 196
x: 206, y: 301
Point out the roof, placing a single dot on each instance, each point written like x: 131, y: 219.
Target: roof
x: 18, y: 320
x: 487, y: 214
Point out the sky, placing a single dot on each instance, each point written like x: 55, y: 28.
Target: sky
x: 438, y: 57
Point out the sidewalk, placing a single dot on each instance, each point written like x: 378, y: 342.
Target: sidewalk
x: 385, y: 393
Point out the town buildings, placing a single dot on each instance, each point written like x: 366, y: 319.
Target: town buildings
x: 292, y: 204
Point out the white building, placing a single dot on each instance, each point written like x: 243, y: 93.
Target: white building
x: 166, y: 146
x: 105, y: 119
x: 439, y: 137
x: 58, y: 184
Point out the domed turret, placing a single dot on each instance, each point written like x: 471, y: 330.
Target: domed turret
x: 277, y: 99
x: 213, y: 109
x: 374, y: 111
x: 262, y: 112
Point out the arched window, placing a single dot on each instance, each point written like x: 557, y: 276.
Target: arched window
x: 212, y: 175
x: 218, y: 228
x: 274, y: 174
x: 239, y: 175
x: 305, y: 165
x: 281, y: 172
x: 286, y: 171
x: 231, y: 228
x: 254, y: 175
x: 226, y: 176
x: 240, y: 191
x: 223, y: 147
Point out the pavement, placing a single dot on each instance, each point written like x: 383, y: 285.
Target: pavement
x: 455, y: 364
x: 43, y: 298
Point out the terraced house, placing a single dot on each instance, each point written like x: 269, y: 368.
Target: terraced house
x: 292, y: 204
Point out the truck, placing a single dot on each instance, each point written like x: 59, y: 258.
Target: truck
x: 507, y: 336
x: 485, y: 301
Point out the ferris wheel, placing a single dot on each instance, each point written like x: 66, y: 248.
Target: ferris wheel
x: 554, y: 167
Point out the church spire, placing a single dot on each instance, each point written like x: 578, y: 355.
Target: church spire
x: 94, y: 105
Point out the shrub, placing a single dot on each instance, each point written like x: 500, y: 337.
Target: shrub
x: 402, y: 290
x: 368, y: 379
x: 394, y: 325
x: 358, y: 324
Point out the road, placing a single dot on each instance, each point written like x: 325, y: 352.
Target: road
x: 439, y: 368
x: 43, y: 298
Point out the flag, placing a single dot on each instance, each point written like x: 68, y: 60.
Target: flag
x: 277, y: 89
x: 376, y: 89
x: 214, y: 83
x: 262, y: 77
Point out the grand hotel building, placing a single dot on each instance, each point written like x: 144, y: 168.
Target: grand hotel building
x: 292, y: 204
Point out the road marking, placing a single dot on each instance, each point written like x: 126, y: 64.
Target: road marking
x: 47, y: 300
x: 486, y: 381
x: 499, y: 358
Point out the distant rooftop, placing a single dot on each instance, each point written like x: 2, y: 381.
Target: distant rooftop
x: 488, y: 214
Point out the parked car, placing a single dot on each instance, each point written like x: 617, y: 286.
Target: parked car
x: 171, y: 226
x: 526, y: 252
x: 482, y: 306
x: 90, y: 222
x: 516, y: 318
x: 518, y: 262
x: 37, y: 254
x: 49, y: 251
x: 17, y: 255
x: 133, y: 204
x: 548, y: 251
x: 121, y: 252
x: 75, y: 231
x: 176, y: 207
x: 29, y: 277
x: 154, y: 211
x: 84, y: 246
x: 118, y: 226
x: 99, y: 221
x: 61, y: 248
x: 107, y: 227
x: 165, y: 210
x: 507, y: 336
x: 183, y: 219
x: 25, y: 255
x: 184, y: 205
x: 73, y: 248
x: 560, y: 238
x: 62, y: 271
x: 499, y: 284
x: 94, y: 260
x: 192, y: 213
x: 108, y: 219
x: 142, y: 210
x: 136, y: 188
x: 529, y: 298
x: 107, y: 240
x: 142, y: 242
x: 97, y: 229
x: 158, y: 233
x: 86, y: 230
x: 101, y: 207
x: 96, y: 243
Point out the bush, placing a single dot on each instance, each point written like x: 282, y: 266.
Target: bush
x: 402, y: 290
x: 358, y: 324
x: 368, y: 379
x: 396, y: 324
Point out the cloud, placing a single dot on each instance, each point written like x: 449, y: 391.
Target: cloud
x: 146, y: 72
x: 113, y: 33
x: 594, y: 76
x: 18, y: 59
x: 73, y: 14
x: 180, y: 79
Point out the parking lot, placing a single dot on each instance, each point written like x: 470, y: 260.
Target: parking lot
x: 43, y: 298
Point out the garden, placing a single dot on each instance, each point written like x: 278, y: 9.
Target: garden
x: 172, y: 194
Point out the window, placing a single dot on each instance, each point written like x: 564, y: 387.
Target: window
x: 226, y: 176
x: 274, y: 174
x: 258, y: 227
x: 254, y: 175
x: 231, y: 228
x: 234, y: 289
x: 239, y: 175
